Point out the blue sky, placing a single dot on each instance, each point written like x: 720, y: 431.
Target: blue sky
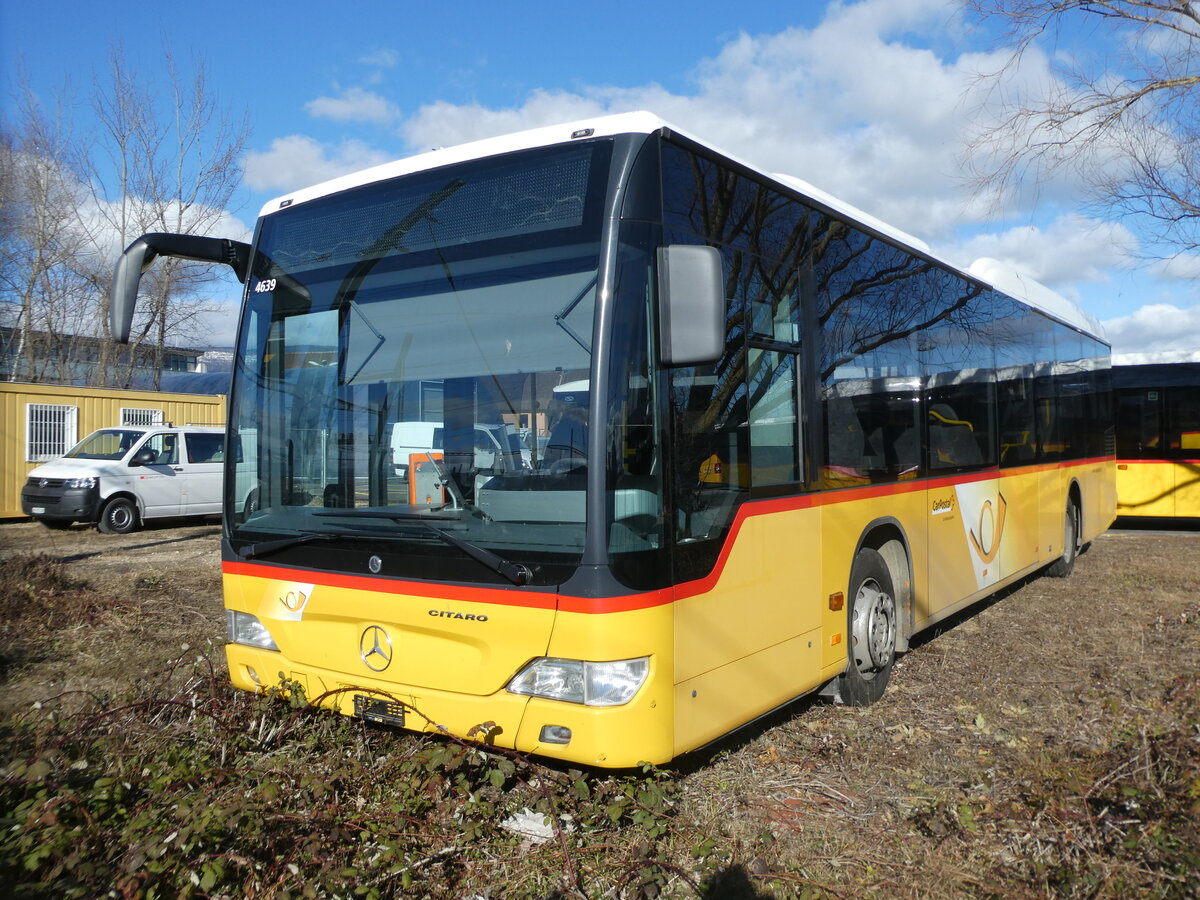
x: 867, y: 99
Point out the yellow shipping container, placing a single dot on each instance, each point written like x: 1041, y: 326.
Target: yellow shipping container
x: 37, y: 417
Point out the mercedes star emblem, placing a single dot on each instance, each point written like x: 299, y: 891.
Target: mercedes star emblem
x: 375, y: 648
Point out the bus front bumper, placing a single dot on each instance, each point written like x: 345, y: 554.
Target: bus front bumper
x: 612, y: 737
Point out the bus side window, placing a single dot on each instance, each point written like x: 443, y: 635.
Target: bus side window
x: 1183, y: 420
x: 952, y: 442
x: 846, y: 446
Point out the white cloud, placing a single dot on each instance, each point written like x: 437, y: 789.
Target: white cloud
x: 354, y: 105
x: 1070, y: 249
x: 1184, y: 267
x: 1152, y: 357
x: 444, y: 124
x: 860, y: 105
x: 218, y: 328
x: 850, y: 105
x: 1156, y: 328
x: 297, y: 161
x: 384, y: 58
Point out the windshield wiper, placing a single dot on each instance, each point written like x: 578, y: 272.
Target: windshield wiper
x: 518, y: 573
x: 265, y: 548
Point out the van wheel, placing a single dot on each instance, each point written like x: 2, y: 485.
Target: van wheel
x: 57, y: 524
x: 251, y: 506
x: 1065, y: 564
x: 119, y: 517
x: 871, y: 624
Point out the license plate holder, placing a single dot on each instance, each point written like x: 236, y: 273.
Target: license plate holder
x: 379, y: 710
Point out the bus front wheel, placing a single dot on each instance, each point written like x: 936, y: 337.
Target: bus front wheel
x: 871, y: 622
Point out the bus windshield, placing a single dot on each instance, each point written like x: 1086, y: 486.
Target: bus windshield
x: 414, y: 368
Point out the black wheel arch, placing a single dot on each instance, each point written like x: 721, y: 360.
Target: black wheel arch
x: 120, y: 495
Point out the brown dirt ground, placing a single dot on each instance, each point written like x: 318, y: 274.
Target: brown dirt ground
x: 170, y: 577
x: 858, y: 800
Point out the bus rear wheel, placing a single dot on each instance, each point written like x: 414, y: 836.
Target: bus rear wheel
x: 1072, y: 532
x: 871, y: 621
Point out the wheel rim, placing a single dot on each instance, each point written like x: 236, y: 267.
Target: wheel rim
x: 874, y: 628
x: 120, y: 516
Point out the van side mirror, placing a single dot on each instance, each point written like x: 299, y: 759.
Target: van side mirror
x: 691, y: 305
x: 143, y: 457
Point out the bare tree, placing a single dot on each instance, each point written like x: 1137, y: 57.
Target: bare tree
x: 1124, y: 123
x: 171, y: 164
x: 163, y: 157
x: 49, y: 306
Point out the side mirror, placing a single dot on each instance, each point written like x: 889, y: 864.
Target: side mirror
x: 143, y: 457
x: 691, y: 305
x: 141, y: 253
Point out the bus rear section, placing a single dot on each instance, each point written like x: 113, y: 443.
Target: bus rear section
x: 1157, y: 413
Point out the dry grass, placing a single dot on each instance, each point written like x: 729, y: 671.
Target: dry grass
x: 1045, y: 745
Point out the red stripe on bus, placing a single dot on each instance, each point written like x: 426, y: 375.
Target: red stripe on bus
x: 1158, y: 462
x: 432, y: 591
x: 650, y: 599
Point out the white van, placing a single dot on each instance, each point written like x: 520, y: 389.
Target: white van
x: 119, y: 477
x: 491, y: 441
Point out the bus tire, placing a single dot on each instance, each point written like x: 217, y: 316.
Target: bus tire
x: 119, y: 516
x: 871, y: 625
x: 1065, y: 564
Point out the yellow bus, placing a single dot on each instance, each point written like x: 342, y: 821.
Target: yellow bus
x: 765, y: 439
x: 1157, y: 408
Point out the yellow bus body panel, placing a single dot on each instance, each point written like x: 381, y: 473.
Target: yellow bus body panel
x: 1145, y: 488
x: 1187, y: 488
x: 1160, y: 488
x: 467, y: 643
x: 746, y: 639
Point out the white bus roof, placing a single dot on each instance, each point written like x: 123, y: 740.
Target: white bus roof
x: 990, y: 271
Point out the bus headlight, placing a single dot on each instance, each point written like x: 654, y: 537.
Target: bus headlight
x: 244, y: 628
x: 582, y: 681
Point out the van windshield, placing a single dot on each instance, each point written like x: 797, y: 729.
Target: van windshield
x: 404, y: 350
x: 111, y: 443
